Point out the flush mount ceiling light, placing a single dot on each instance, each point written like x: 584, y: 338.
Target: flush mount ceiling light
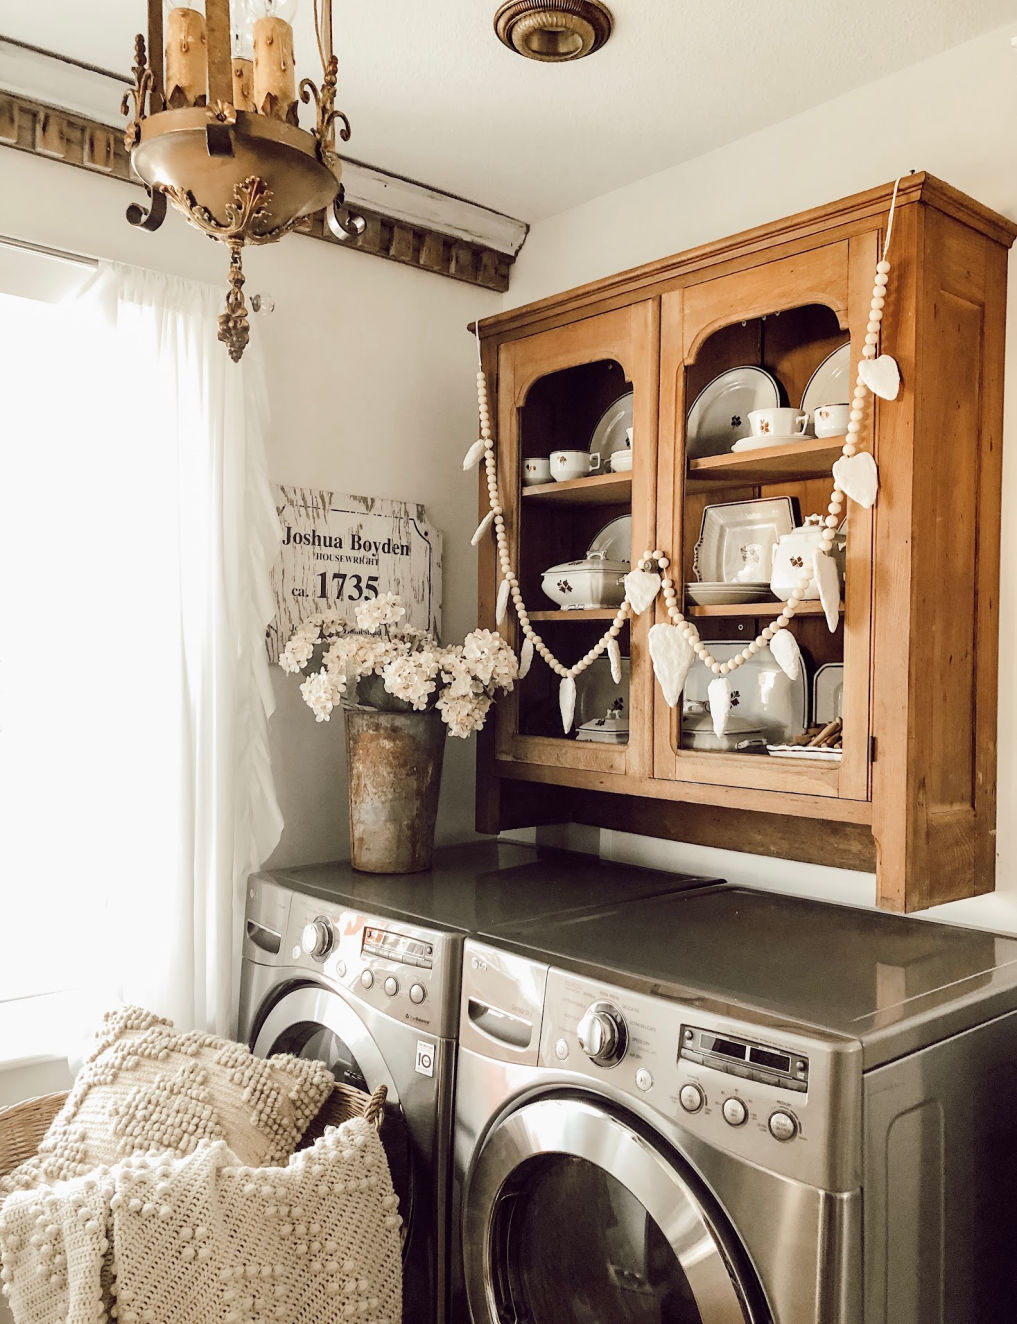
x: 561, y: 30
x: 215, y: 130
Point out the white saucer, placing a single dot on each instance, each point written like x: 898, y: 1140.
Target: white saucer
x: 757, y: 443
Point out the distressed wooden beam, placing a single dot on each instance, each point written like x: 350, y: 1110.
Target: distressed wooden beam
x: 41, y: 130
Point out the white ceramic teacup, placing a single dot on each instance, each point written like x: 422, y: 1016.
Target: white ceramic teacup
x: 573, y: 464
x: 830, y: 420
x: 536, y: 470
x: 778, y: 422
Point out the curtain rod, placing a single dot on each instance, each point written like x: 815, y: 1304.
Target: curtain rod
x: 61, y: 254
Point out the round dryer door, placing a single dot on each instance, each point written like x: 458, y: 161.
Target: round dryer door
x: 309, y: 1021
x: 572, y: 1215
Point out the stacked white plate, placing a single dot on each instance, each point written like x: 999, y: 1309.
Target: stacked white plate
x: 721, y: 593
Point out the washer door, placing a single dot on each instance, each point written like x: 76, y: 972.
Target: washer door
x: 309, y: 1021
x: 571, y: 1216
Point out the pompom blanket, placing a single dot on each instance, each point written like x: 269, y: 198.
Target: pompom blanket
x: 204, y: 1239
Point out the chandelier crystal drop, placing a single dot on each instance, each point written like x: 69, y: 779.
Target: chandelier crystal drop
x: 214, y: 129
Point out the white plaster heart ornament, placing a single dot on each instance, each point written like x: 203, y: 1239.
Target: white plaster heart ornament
x: 483, y: 527
x: 784, y: 647
x: 502, y: 605
x: 828, y: 580
x: 525, y: 657
x: 641, y: 588
x: 719, y: 691
x: 881, y: 375
x: 672, y: 655
x: 472, y: 456
x: 567, y: 702
x: 614, y: 657
x: 857, y: 476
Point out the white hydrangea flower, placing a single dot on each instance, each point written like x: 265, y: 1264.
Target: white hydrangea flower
x: 321, y: 692
x: 490, y: 659
x: 386, y: 609
x: 413, y: 676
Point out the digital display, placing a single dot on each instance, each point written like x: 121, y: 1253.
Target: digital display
x: 726, y: 1046
x: 397, y: 947
x: 764, y: 1058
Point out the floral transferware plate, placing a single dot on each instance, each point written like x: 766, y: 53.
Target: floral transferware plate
x: 720, y: 412
x: 610, y: 433
x: 827, y: 693
x: 736, y: 540
x: 761, y: 693
x: 596, y: 692
x: 614, y: 540
x: 830, y: 384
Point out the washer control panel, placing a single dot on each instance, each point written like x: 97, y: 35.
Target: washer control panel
x: 407, y: 972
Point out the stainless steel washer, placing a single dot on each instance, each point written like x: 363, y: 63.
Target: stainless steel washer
x: 729, y: 1107
x: 363, y: 972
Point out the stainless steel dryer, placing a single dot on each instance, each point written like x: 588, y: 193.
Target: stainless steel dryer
x: 729, y: 1107
x: 363, y: 972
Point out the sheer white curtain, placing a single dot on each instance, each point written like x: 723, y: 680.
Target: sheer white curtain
x: 136, y: 689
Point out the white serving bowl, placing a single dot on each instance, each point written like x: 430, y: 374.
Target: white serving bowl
x: 592, y: 582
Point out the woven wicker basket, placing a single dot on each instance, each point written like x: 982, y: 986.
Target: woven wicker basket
x: 23, y: 1125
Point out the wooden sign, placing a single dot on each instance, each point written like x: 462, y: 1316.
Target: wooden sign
x: 337, y: 550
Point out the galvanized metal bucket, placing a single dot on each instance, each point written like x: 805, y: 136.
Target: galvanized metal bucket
x: 394, y: 762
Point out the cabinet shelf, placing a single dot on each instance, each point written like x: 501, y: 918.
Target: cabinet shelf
x: 753, y: 609
x: 812, y: 458
x: 597, y: 490
x: 578, y: 614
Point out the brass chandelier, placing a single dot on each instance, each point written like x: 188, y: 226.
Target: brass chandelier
x: 214, y: 130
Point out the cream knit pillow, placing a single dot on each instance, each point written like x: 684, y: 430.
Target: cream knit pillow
x: 147, y: 1088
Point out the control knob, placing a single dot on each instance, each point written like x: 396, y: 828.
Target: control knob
x: 316, y: 939
x: 602, y: 1034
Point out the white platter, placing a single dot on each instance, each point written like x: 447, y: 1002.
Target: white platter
x: 803, y: 752
x: 729, y: 533
x: 609, y: 434
x: 830, y: 384
x: 720, y: 595
x: 720, y: 412
x: 614, y: 540
x: 827, y: 693
x: 761, y: 693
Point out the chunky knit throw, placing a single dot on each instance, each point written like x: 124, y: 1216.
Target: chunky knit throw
x: 205, y: 1239
x: 147, y: 1086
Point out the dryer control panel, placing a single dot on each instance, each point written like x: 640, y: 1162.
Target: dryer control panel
x: 785, y: 1097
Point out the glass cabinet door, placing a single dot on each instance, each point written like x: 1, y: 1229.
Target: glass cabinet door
x: 577, y: 421
x: 778, y: 340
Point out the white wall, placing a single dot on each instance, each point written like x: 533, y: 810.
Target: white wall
x: 371, y: 381
x: 954, y: 116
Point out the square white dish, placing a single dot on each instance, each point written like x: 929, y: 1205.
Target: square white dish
x: 761, y: 693
x: 736, y: 539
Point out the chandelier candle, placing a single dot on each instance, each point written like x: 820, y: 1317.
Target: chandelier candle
x: 186, y: 58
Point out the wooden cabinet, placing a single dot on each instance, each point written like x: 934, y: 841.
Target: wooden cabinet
x: 913, y: 795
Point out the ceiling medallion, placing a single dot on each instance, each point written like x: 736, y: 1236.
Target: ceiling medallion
x: 556, y: 31
x: 214, y: 130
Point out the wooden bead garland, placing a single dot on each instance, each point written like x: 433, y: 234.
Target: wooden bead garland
x: 655, y: 558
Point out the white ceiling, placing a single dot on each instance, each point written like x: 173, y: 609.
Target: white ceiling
x: 433, y: 95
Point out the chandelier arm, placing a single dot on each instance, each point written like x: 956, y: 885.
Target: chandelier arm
x: 156, y: 214
x: 343, y: 223
x: 156, y: 56
x: 220, y: 65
